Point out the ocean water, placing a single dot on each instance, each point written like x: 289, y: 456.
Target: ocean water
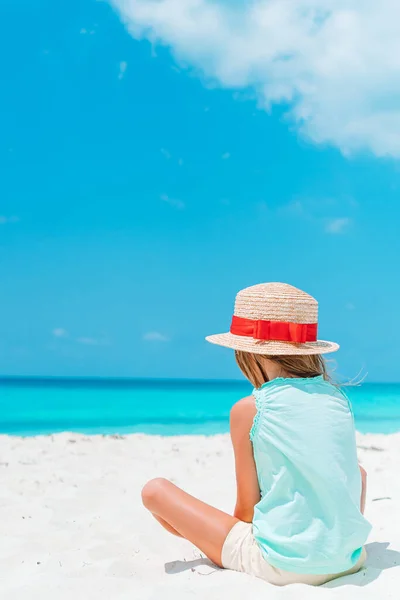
x: 166, y: 407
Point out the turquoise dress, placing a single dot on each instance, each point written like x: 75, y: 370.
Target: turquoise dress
x: 308, y: 519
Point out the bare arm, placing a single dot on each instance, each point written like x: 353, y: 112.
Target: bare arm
x: 248, y: 491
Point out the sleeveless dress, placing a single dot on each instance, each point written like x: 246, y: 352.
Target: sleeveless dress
x: 308, y: 520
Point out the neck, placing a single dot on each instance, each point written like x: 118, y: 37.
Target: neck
x: 273, y: 370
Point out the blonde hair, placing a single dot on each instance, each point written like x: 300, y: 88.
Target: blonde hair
x: 253, y: 366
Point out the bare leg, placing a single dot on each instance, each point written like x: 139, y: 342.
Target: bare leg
x: 166, y: 525
x: 203, y: 525
x: 363, y: 488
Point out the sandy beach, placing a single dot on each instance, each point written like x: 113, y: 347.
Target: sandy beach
x: 72, y: 524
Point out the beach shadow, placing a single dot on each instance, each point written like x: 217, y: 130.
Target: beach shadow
x: 178, y: 566
x: 379, y: 558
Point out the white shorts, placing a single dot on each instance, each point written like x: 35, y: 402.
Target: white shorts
x: 241, y: 552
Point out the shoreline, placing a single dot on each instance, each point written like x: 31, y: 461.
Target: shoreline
x: 140, y: 434
x: 121, y: 434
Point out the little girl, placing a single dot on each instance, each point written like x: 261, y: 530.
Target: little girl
x: 300, y: 492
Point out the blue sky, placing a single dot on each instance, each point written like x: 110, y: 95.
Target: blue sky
x: 140, y: 192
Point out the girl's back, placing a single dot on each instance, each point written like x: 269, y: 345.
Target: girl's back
x: 308, y: 519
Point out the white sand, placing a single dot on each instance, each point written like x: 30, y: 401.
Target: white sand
x: 72, y: 525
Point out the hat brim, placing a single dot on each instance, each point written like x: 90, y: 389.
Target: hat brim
x: 270, y: 347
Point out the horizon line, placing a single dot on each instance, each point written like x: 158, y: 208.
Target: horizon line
x: 100, y: 379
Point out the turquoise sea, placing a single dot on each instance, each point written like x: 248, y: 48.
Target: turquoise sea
x: 167, y: 407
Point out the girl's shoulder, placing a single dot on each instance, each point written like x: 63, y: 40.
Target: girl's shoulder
x: 284, y: 390
x: 289, y: 384
x: 244, y: 407
x: 290, y: 403
x: 242, y: 414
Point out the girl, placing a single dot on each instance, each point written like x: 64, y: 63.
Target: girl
x: 300, y: 494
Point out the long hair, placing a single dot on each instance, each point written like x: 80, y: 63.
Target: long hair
x: 253, y: 366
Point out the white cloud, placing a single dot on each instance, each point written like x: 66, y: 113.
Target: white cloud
x: 226, y: 155
x: 85, y: 31
x: 59, y: 332
x: 337, y: 225
x: 178, y: 204
x: 155, y: 336
x: 295, y: 209
x: 6, y: 220
x: 122, y: 69
x: 318, y: 213
x: 165, y: 153
x: 89, y: 341
x: 334, y: 63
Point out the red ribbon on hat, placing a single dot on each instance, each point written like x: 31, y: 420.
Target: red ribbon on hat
x: 278, y: 331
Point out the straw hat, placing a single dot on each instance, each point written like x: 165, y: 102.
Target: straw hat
x: 274, y: 319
